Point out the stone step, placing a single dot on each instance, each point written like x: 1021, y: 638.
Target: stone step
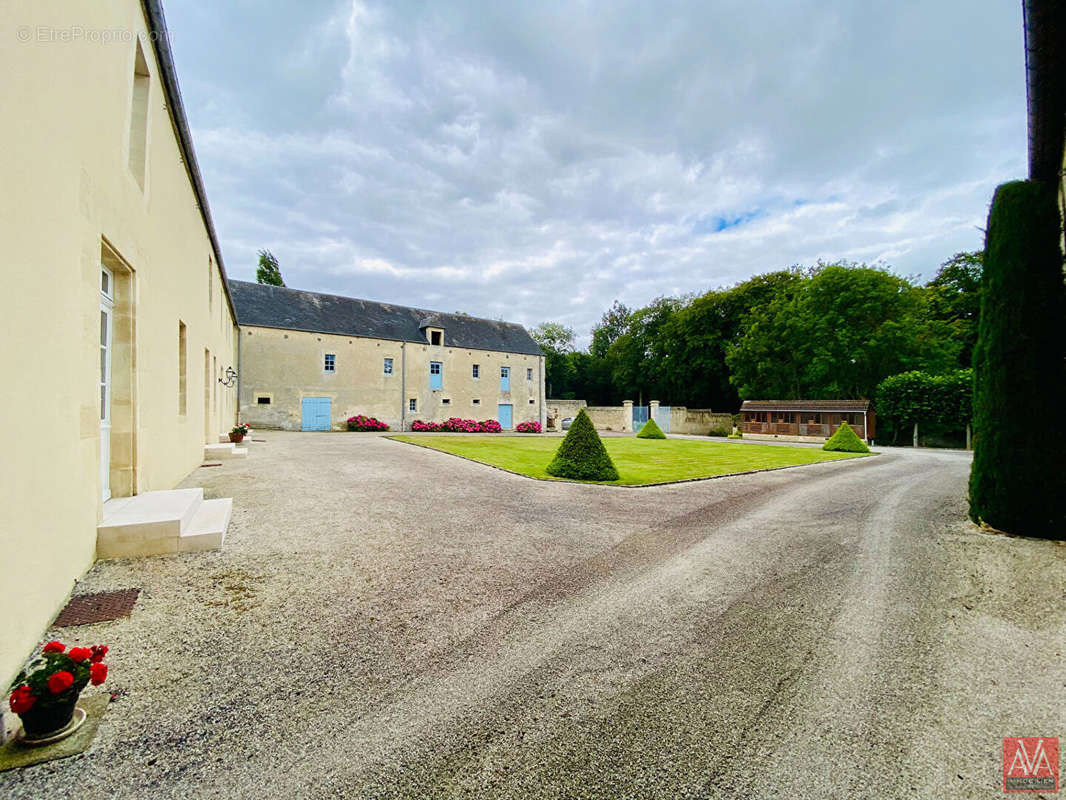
x: 228, y: 450
x: 146, y: 524
x: 207, y: 531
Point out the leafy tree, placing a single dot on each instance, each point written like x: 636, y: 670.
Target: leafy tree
x: 268, y: 271
x: 613, y: 324
x: 1017, y: 481
x: 837, y: 334
x: 700, y: 334
x: 582, y: 456
x: 942, y: 403
x: 955, y: 298
x: 557, y: 342
x: 640, y: 362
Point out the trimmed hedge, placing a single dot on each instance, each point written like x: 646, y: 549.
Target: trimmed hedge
x: 456, y: 425
x: 1017, y: 481
x: 582, y: 455
x: 650, y: 430
x: 845, y: 440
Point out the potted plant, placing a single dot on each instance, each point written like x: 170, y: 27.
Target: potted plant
x: 238, y: 433
x: 45, y: 694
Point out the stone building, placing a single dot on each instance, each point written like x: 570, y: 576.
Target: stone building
x: 120, y: 324
x: 309, y: 361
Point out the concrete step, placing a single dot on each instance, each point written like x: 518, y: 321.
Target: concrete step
x: 228, y: 450
x: 207, y: 531
x: 146, y: 524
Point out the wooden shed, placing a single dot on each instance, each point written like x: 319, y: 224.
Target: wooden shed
x: 806, y: 420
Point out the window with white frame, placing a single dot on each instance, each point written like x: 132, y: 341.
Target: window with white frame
x: 330, y: 363
x: 412, y: 405
x: 388, y: 366
x: 477, y: 402
x: 476, y: 371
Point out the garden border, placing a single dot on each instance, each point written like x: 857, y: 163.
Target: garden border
x: 610, y: 485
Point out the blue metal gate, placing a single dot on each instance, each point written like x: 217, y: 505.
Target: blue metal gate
x: 662, y: 418
x: 640, y: 416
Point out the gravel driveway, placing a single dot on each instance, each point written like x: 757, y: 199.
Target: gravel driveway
x: 390, y: 621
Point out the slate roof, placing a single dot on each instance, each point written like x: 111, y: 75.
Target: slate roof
x: 805, y: 405
x: 292, y: 309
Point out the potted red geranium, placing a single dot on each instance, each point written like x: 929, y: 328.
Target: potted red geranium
x: 240, y: 430
x: 46, y: 693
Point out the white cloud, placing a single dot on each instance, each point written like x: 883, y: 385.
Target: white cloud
x: 537, y: 161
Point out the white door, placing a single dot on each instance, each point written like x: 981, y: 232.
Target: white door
x: 107, y: 306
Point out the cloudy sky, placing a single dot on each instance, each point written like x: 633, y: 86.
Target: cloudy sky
x: 534, y: 161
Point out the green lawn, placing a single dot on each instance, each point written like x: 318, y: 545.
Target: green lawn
x: 639, y: 461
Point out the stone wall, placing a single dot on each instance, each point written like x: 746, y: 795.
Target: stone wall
x: 698, y: 421
x: 558, y: 410
x: 609, y: 417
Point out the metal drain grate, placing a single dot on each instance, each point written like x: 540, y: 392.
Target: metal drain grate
x: 85, y: 609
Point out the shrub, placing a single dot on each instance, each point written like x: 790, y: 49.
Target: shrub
x: 845, y: 440
x: 457, y: 425
x: 1017, y: 482
x: 582, y: 455
x: 651, y: 431
x: 361, y: 422
x: 528, y: 427
x: 737, y: 435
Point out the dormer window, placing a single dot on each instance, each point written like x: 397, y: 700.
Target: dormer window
x: 433, y: 331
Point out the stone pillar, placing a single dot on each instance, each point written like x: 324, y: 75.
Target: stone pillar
x: 627, y: 416
x: 653, y: 406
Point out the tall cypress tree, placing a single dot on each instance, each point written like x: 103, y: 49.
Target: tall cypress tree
x: 1017, y: 482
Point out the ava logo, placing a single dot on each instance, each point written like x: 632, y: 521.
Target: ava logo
x: 1030, y: 764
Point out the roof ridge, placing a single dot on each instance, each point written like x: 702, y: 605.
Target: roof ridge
x: 384, y: 303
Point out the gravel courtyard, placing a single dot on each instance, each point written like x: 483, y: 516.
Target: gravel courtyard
x: 387, y: 621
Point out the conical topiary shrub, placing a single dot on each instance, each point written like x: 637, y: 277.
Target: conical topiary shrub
x: 1017, y: 481
x: 582, y: 455
x: 845, y: 440
x: 651, y: 431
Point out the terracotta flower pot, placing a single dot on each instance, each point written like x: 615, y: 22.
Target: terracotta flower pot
x: 236, y: 438
x: 39, y: 723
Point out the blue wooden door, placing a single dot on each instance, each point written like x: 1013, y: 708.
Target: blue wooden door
x: 316, y: 414
x: 505, y: 415
x: 436, y: 375
x: 505, y: 380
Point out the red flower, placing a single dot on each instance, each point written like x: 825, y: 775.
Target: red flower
x: 54, y: 647
x: 60, y: 682
x: 99, y: 651
x: 79, y: 654
x: 22, y: 699
x: 97, y: 673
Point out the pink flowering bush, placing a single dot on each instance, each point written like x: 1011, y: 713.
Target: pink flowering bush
x: 528, y: 427
x: 457, y: 425
x: 361, y: 422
